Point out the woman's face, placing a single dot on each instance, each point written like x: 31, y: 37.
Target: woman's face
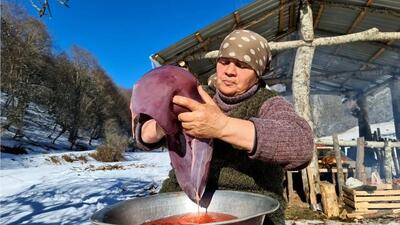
x: 234, y: 77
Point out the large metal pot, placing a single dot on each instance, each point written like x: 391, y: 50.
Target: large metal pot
x: 249, y: 208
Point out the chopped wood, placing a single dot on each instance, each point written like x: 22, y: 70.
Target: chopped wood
x: 329, y: 199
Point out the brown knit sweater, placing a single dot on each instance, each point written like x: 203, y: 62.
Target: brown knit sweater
x: 282, y: 136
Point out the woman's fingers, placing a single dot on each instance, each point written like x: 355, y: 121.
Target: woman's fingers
x: 188, y: 103
x: 205, y: 96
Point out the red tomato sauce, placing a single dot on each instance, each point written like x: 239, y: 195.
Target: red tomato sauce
x: 192, y: 218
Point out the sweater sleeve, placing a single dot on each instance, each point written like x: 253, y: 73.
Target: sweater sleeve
x: 282, y: 136
x: 137, y: 130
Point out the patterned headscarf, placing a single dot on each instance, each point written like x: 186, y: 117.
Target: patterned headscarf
x: 248, y: 47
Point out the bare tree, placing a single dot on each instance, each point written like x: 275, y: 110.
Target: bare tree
x: 43, y: 5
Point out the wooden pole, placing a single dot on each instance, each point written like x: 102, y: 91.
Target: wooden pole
x: 289, y: 177
x: 340, y: 180
x: 395, y: 93
x: 396, y: 161
x: 360, y: 170
x: 388, y: 162
x: 306, y: 187
x: 301, y: 91
x: 370, y: 144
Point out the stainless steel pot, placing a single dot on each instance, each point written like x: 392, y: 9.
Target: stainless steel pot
x: 249, y: 208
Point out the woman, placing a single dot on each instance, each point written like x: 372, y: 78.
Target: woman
x: 256, y: 133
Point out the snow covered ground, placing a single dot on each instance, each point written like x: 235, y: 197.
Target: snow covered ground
x: 36, y: 190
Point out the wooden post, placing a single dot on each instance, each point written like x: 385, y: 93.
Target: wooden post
x: 329, y: 201
x: 289, y: 177
x: 340, y: 180
x: 388, y: 162
x: 396, y: 161
x: 395, y: 93
x: 360, y: 170
x: 306, y: 188
x: 301, y: 91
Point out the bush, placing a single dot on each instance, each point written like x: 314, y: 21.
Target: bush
x: 113, y: 150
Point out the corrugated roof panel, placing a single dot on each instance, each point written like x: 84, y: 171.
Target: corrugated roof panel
x: 357, y: 84
x: 389, y: 58
x: 358, y: 51
x: 384, y: 23
x: 257, y: 9
x: 337, y: 19
x: 393, y: 4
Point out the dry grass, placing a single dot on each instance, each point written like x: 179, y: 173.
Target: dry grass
x: 300, y: 210
x: 105, y: 167
x: 67, y: 158
x: 54, y: 160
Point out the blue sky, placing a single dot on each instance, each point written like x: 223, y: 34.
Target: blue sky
x: 122, y: 34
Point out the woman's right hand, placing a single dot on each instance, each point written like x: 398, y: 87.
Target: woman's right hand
x: 152, y: 132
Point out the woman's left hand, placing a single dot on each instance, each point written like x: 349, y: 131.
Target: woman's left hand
x: 205, y: 120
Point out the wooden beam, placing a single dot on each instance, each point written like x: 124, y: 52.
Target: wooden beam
x: 290, y: 193
x: 369, y: 144
x: 388, y: 162
x: 281, y: 25
x: 236, y: 17
x: 318, y: 17
x: 199, y: 37
x: 396, y: 161
x: 266, y: 16
x: 338, y: 157
x: 292, y: 18
x: 360, y: 170
x: 386, y: 45
x: 359, y: 18
x: 301, y: 91
x: 158, y: 58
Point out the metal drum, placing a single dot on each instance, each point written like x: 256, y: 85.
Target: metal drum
x: 249, y: 208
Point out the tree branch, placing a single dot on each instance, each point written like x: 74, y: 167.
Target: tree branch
x: 372, y: 34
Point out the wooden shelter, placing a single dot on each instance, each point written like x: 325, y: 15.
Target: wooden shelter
x: 333, y: 47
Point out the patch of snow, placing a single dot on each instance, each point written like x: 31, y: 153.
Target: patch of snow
x: 37, y: 191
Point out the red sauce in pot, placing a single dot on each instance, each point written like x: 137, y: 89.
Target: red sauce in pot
x: 192, y: 218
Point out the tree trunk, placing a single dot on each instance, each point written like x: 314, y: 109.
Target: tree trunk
x: 301, y: 92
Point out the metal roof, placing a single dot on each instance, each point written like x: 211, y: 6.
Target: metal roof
x: 360, y: 66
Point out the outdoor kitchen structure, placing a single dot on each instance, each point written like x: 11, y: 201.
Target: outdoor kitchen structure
x: 348, y: 48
